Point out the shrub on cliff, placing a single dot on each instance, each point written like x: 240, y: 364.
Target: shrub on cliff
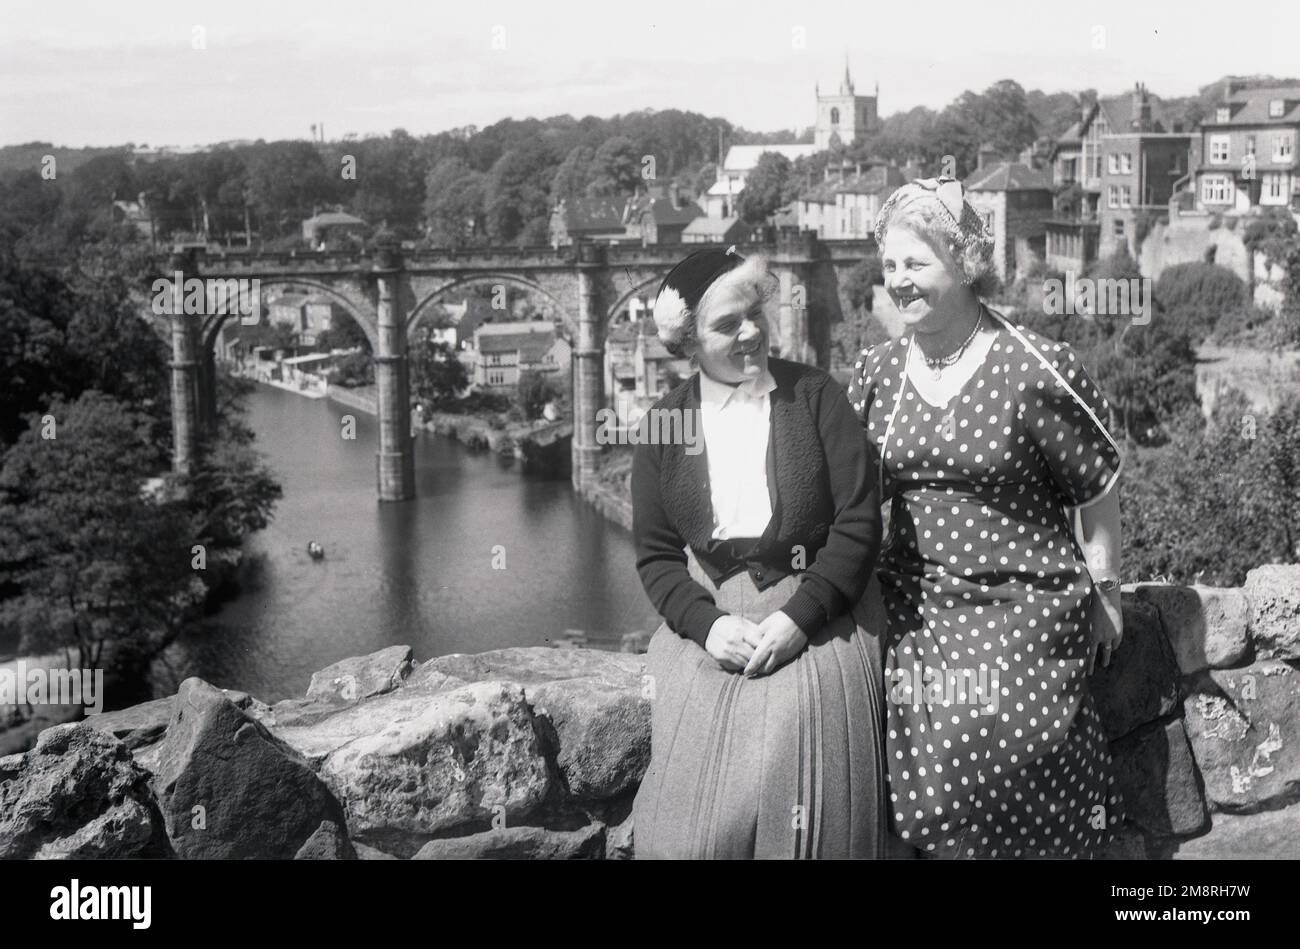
x: 92, y: 556
x: 1196, y: 296
x: 1211, y: 504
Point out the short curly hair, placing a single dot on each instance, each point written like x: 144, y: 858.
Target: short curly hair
x: 971, y: 246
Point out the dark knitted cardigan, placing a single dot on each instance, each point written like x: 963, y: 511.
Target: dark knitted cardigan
x: 821, y: 476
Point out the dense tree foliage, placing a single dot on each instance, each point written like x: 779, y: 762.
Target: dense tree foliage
x: 437, y: 376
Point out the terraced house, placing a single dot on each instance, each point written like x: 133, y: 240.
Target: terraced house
x: 1124, y: 158
x: 1246, y: 151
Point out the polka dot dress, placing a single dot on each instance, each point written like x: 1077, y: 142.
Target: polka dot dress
x: 994, y: 746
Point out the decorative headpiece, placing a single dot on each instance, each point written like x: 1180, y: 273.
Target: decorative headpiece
x: 684, y: 287
x: 950, y: 195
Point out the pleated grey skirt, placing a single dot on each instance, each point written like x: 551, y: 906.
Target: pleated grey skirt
x: 789, y: 765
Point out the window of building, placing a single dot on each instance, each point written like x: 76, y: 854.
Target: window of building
x: 1112, y: 164
x: 987, y: 218
x: 1282, y: 149
x: 1112, y: 196
x: 1273, y: 187
x: 1125, y: 196
x: 1126, y: 164
x: 1118, y: 227
x: 1222, y: 113
x: 1216, y: 189
x: 1250, y: 144
x: 1218, y: 149
x: 835, y: 116
x: 1276, y: 107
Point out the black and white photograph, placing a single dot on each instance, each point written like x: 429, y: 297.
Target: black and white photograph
x: 512, y: 432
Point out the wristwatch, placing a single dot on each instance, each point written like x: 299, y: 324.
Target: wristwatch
x: 1106, y: 584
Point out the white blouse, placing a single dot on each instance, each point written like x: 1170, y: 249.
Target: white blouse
x: 736, y: 421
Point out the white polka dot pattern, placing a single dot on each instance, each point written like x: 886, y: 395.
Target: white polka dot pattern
x: 983, y: 573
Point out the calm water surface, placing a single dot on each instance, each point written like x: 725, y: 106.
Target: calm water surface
x: 418, y: 573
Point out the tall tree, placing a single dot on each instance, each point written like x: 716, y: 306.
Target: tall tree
x: 767, y: 187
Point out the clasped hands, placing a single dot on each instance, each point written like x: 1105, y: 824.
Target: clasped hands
x: 741, y: 645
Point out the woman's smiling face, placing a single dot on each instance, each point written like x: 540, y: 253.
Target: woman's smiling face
x: 731, y: 334
x: 920, y: 279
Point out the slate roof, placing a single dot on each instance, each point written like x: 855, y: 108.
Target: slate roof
x: 1250, y: 107
x: 531, y: 340
x: 873, y: 180
x: 1119, y: 113
x: 717, y: 227
x: 1009, y: 176
x: 745, y: 157
x: 661, y: 210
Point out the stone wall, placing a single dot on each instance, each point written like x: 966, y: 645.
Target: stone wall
x: 1185, y: 240
x: 537, y: 752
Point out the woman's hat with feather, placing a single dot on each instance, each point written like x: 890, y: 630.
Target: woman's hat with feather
x: 684, y: 288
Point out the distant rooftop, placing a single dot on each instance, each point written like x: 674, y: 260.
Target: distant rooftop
x: 745, y: 157
x: 1009, y: 176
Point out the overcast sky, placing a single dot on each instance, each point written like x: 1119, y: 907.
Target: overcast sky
x: 102, y: 73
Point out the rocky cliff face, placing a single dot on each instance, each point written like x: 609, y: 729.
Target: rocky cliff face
x: 537, y: 752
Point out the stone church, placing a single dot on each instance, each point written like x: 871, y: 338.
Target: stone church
x: 844, y: 116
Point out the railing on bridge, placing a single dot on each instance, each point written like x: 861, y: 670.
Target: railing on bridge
x: 802, y: 245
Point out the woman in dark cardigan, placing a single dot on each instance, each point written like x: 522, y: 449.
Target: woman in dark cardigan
x: 768, y: 715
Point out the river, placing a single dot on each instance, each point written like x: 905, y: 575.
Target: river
x: 419, y: 573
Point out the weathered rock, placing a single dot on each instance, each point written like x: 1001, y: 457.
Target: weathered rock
x: 329, y: 842
x: 1141, y: 684
x: 1247, y: 742
x: 146, y: 723
x: 229, y: 789
x: 371, y: 853
x: 1274, y: 594
x: 1207, y: 626
x: 1127, y: 843
x: 298, y: 713
x: 520, y: 843
x: 77, y: 794
x: 599, y: 733
x: 360, y: 677
x: 527, y: 665
x: 1157, y: 776
x: 1269, y: 835
x: 591, y: 708
x: 149, y: 757
x: 619, y: 842
x: 138, y: 725
x: 413, y: 763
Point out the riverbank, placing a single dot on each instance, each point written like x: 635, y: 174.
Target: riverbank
x: 541, y: 447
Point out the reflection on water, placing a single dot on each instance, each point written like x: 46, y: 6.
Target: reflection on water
x: 418, y: 573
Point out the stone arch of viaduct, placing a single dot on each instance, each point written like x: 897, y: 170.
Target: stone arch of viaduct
x: 389, y: 291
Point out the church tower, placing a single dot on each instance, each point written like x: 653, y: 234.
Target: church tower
x: 844, y: 116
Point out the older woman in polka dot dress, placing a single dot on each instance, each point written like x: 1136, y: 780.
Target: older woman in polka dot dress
x: 1001, y: 474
